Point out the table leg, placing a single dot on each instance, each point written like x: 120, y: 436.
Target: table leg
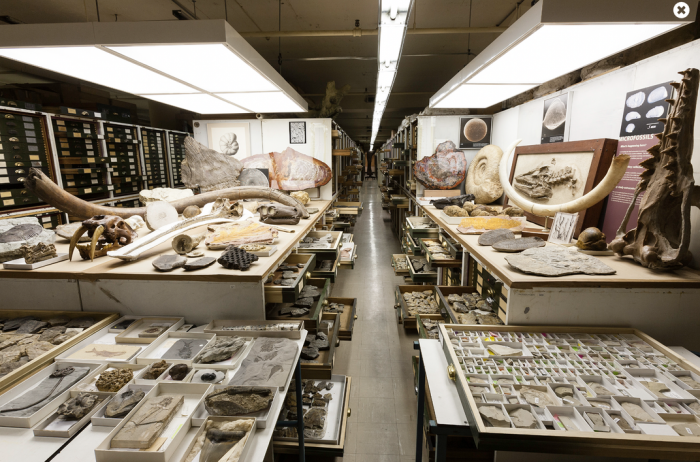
x: 421, y: 404
x: 440, y: 448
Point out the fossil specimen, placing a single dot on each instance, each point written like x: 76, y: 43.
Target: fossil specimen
x: 522, y: 418
x: 208, y: 170
x: 228, y: 144
x: 279, y: 214
x: 191, y: 211
x: 301, y: 196
x: 291, y: 170
x: 269, y: 363
x: 147, y: 196
x: 67, y: 231
x: 221, y: 441
x: 106, y: 351
x: 184, y: 243
x: 636, y: 100
x: 480, y: 224
x: 30, y: 402
x: 235, y: 258
x: 253, y: 177
x: 539, y: 182
x: 655, y: 112
x: 555, y: 115
x: 155, y: 370
x: 185, y: 348
x: 443, y: 170
x: 199, y: 263
x: 662, y: 236
x: 591, y: 239
x: 482, y: 177
x: 141, y: 431
x: 232, y: 401
x: 123, y: 403
x: 114, y: 380
x: 459, y: 201
x: 21, y: 232
x: 632, y: 115
x: 238, y: 233
x: 37, y: 253
x: 518, y: 245
x: 494, y: 416
x: 159, y: 214
x: 179, y: 371
x: 168, y: 263
x: 657, y: 94
x: 16, y: 232
x: 106, y: 233
x: 554, y: 261
x: 222, y: 349
x: 76, y: 408
x: 475, y: 130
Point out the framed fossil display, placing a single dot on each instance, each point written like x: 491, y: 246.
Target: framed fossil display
x: 230, y: 138
x: 552, y: 174
x: 474, y: 132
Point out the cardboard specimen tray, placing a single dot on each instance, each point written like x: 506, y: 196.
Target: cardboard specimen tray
x: 262, y: 418
x: 164, y: 348
x: 578, y: 372
x: 248, y: 442
x: 146, y: 330
x: 292, y: 328
x: 277, y: 293
x: 57, y: 426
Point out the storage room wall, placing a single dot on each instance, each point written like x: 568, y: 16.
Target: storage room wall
x: 597, y: 108
x: 255, y: 131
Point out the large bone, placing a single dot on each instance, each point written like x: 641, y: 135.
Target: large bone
x: 49, y: 192
x: 597, y: 194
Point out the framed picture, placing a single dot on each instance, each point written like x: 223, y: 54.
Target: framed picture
x: 474, y: 132
x: 561, y: 172
x: 555, y: 119
x: 563, y: 228
x: 297, y: 132
x: 231, y: 138
x: 643, y: 108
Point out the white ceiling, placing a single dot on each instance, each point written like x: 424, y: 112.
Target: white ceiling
x: 421, y: 75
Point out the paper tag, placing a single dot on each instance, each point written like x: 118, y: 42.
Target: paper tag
x: 688, y: 430
x: 537, y: 401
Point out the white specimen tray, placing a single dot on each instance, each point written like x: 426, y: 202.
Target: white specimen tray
x: 54, y: 426
x: 154, y: 352
x: 91, y: 379
x: 234, y: 361
x: 261, y: 418
x: 131, y: 333
x: 20, y: 264
x: 99, y: 419
x: 246, y: 447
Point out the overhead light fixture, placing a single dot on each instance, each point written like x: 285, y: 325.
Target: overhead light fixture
x: 556, y: 37
x: 200, y: 66
x: 393, y: 17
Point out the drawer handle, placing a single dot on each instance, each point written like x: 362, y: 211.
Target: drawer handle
x: 451, y: 372
x: 355, y: 317
x: 21, y: 179
x: 397, y: 306
x: 14, y: 139
x: 20, y: 171
x: 349, y: 412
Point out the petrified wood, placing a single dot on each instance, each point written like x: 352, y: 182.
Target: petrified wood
x: 443, y: 170
x: 554, y: 261
x: 662, y: 236
x: 291, y: 170
x: 114, y: 380
x: 141, y: 431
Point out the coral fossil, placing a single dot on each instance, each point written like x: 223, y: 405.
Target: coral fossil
x: 662, y: 236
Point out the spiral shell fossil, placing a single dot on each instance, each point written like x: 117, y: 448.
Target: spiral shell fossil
x: 228, y: 144
x: 482, y: 177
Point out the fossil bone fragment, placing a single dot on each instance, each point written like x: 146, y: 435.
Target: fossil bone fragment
x: 37, y: 253
x: 279, y: 214
x: 147, y: 196
x: 482, y: 177
x: 106, y: 233
x: 618, y: 167
x: 539, y: 182
x: 662, y: 236
x: 159, y: 214
x: 185, y: 243
x: 136, y: 222
x: 591, y: 239
x: 238, y: 233
x: 16, y: 232
x: 191, y: 211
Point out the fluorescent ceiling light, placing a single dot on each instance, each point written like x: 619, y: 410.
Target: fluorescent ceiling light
x: 390, y: 42
x: 160, y: 60
x: 213, y: 68
x: 201, y: 103
x: 263, y: 102
x: 94, y: 65
x: 385, y: 78
x: 553, y: 38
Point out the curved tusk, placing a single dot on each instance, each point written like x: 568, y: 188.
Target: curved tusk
x: 95, y: 236
x: 617, y: 170
x: 74, y: 241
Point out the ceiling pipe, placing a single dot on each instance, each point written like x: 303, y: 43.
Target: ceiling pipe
x: 372, y: 32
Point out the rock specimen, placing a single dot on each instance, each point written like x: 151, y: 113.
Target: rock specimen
x: 16, y: 232
x: 554, y: 261
x: 222, y: 349
x: 301, y: 196
x: 268, y: 364
x: 598, y: 422
x: 455, y: 211
x: 233, y: 401
x: 141, y: 431
x: 123, y: 403
x: 636, y: 412
x: 155, y: 370
x: 309, y: 353
x: 315, y: 422
x: 16, y: 323
x: 687, y: 429
x: 598, y: 389
x: 460, y: 201
x: 51, y: 333
x: 277, y: 214
x: 207, y: 169
x: 31, y: 327
x: 114, y: 380
x: 495, y: 235
x: 48, y: 389
x: 482, y: 178
x: 221, y: 441
x: 191, y: 211
x: 199, y: 263
x: 505, y: 350
x: 67, y: 231
x: 37, y: 253
x: 513, y: 211
x: 239, y: 233
x: 518, y: 245
x: 688, y: 380
x: 658, y: 388
x: 420, y: 265
x: 167, y: 263
x: 443, y: 170
x: 235, y: 258
x: 661, y: 239
x: 536, y: 397
x: 478, y: 224
x: 208, y: 376
x: 163, y: 194
x: 179, y: 371
x: 591, y: 239
x: 291, y: 170
x: 78, y: 407
x: 494, y: 416
x: 81, y: 323
x: 522, y: 418
x: 420, y: 302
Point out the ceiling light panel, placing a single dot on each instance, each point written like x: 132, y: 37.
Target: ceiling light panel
x: 201, y: 103
x: 480, y: 96
x: 98, y: 66
x: 212, y: 67
x: 263, y: 102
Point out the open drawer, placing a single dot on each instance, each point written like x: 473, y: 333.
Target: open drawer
x: 348, y: 255
x: 326, y: 266
x: 350, y: 206
x: 421, y: 227
x: 420, y: 326
x: 409, y: 319
x: 322, y: 366
x: 450, y: 244
x: 413, y: 245
x: 424, y: 276
x: 277, y: 293
x: 272, y: 309
x: 399, y: 262
x: 441, y: 258
x: 445, y: 291
x: 347, y: 317
x: 334, y: 247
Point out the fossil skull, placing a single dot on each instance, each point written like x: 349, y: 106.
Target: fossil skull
x: 106, y: 232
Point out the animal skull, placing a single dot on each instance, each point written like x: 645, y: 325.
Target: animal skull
x: 106, y: 232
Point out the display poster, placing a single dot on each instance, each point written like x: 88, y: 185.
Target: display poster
x: 554, y: 119
x: 639, y: 126
x: 474, y: 132
x: 563, y: 227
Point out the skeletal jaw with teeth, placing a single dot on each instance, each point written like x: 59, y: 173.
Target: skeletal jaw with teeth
x: 106, y: 233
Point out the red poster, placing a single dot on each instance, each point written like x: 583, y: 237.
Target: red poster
x: 620, y: 198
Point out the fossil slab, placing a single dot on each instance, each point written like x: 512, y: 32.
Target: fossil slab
x: 658, y: 388
x: 309, y: 353
x: 687, y: 429
x: 495, y: 235
x: 494, y: 416
x: 688, y: 380
x: 155, y: 370
x: 636, y: 411
x: 443, y: 170
x: 315, y: 422
x: 199, y: 263
x: 31, y: 327
x: 168, y: 263
x: 51, y: 333
x: 114, y: 380
x: 253, y: 177
x: 522, y: 418
x: 539, y: 183
x: 141, y: 431
x: 233, y: 401
x: 268, y: 364
x: 598, y: 389
x: 222, y: 349
x: 16, y: 232
x: 536, y: 397
x: 164, y: 194
x: 240, y: 233
x: 37, y: 253
x: 518, y: 245
x: 554, y: 261
x: 291, y: 170
x: 207, y: 169
x: 123, y: 403
x: 78, y: 407
x: 185, y: 348
x: 67, y: 231
x: 48, y: 389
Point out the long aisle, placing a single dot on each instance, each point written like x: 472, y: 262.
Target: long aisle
x: 383, y: 422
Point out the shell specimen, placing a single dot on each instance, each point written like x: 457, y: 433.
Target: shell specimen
x: 655, y: 112
x: 539, y: 182
x: 556, y: 115
x: 443, y: 170
x: 207, y: 169
x: 657, y: 94
x: 291, y: 170
x: 235, y: 258
x: 229, y: 144
x: 591, y: 239
x: 482, y: 177
x: 662, y: 236
x: 632, y: 115
x: 636, y: 100
x: 475, y: 130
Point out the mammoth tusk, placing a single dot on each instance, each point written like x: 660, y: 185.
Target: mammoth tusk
x: 95, y: 236
x: 617, y: 170
x: 74, y: 241
x: 41, y: 185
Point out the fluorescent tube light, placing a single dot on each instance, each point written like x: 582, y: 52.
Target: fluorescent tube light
x: 201, y: 103
x: 555, y: 37
x: 263, y: 102
x: 390, y: 42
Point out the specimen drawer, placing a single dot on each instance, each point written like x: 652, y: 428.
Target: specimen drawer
x: 408, y: 319
x: 394, y: 264
x: 322, y: 366
x: 347, y: 317
x: 275, y: 293
x: 415, y: 226
x: 445, y: 291
x: 438, y: 262
x: 426, y: 276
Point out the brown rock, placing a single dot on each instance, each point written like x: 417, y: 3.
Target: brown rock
x: 155, y: 370
x: 114, y: 380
